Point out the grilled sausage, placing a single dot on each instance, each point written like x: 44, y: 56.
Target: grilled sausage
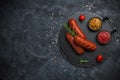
x: 84, y: 43
x: 77, y: 48
x: 75, y: 27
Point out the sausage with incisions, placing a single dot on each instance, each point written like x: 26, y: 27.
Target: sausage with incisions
x: 75, y: 27
x: 84, y: 43
x: 77, y: 48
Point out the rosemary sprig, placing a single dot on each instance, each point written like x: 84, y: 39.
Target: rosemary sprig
x: 84, y: 60
x: 69, y: 30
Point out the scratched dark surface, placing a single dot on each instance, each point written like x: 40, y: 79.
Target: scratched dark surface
x: 29, y: 34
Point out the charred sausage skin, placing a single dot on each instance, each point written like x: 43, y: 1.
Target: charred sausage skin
x: 77, y: 48
x: 75, y: 27
x: 84, y: 43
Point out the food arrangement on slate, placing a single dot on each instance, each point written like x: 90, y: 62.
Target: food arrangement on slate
x: 84, y: 37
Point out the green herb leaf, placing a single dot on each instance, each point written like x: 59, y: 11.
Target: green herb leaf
x: 69, y: 30
x: 84, y: 60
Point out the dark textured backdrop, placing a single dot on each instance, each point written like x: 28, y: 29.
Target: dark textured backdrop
x: 28, y: 40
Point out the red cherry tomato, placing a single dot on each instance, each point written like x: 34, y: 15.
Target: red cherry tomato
x: 82, y: 17
x: 99, y: 58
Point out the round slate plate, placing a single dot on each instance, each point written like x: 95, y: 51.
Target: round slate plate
x: 69, y: 53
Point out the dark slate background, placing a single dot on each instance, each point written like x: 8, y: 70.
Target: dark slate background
x: 28, y: 40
